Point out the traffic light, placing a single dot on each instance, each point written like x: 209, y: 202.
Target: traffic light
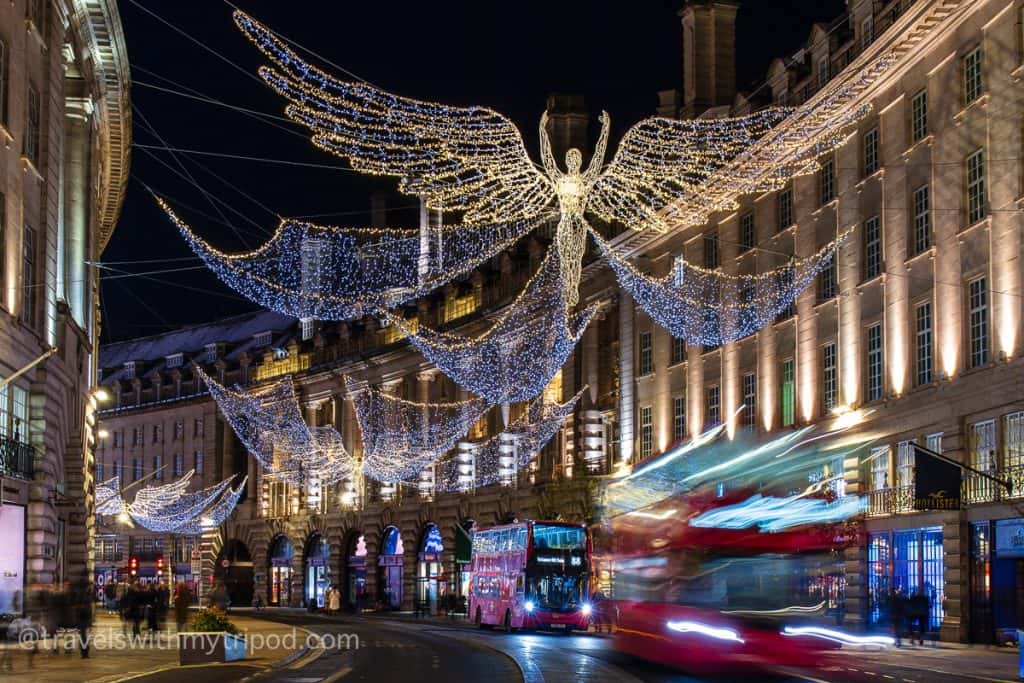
x: 133, y: 565
x: 160, y: 567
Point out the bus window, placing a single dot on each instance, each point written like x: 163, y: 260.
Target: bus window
x: 519, y: 584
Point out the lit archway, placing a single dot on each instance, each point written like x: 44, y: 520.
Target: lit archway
x: 279, y: 572
x: 234, y: 571
x: 390, y: 565
x: 430, y: 579
x: 318, y: 570
x: 355, y: 572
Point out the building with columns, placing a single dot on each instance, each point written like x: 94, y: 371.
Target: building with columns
x: 64, y: 148
x: 916, y: 323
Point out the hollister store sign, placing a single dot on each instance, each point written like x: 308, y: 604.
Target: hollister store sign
x: 936, y: 482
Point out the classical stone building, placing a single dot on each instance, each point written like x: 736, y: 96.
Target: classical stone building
x: 64, y: 143
x: 917, y: 323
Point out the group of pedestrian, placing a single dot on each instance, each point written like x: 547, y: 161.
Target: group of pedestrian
x: 909, y: 614
x: 145, y: 603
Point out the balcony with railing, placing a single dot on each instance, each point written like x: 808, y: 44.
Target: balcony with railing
x: 16, y: 458
x: 891, y: 501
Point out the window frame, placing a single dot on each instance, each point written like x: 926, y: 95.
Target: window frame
x: 646, y: 421
x: 748, y: 385
x: 784, y: 208
x: 748, y: 234
x: 829, y: 377
x: 787, y: 392
x: 921, y: 218
x: 979, y: 334
x: 975, y: 186
x: 874, y: 257
x: 924, y: 344
x: 645, y: 353
x: 919, y: 116
x: 872, y: 151
x: 827, y: 181
x: 972, y: 67
x: 874, y: 366
x: 679, y: 429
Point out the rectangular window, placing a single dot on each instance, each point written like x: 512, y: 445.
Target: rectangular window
x: 829, y: 378
x: 747, y: 239
x: 714, y: 406
x: 867, y: 31
x: 880, y: 456
x: 983, y: 458
x: 923, y: 343
x: 785, y: 208
x: 905, y: 463
x: 174, y: 361
x: 750, y: 400
x: 827, y: 284
x: 874, y: 364
x: 786, y: 283
x: 922, y: 219
x: 19, y: 414
x: 136, y: 469
x: 978, y: 301
x: 788, y: 392
x: 199, y: 463
x: 307, y: 326
x: 679, y: 418
x: 977, y: 204
x: 872, y: 247
x: 871, y: 162
x: 117, y: 469
x: 646, y: 432
x: 29, y: 291
x: 711, y: 250
x: 933, y: 442
x: 33, y: 116
x: 179, y: 430
x: 118, y: 438
x: 136, y: 436
x: 158, y: 434
x: 823, y: 72
x: 197, y: 427
x: 158, y: 467
x: 827, y: 181
x: 973, y: 79
x: 919, y: 116
x: 1013, y: 449
x: 99, y: 471
x: 678, y: 350
x: 646, y: 354
x: 179, y: 464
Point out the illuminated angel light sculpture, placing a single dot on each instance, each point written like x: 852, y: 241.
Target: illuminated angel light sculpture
x: 666, y: 174
x: 169, y: 508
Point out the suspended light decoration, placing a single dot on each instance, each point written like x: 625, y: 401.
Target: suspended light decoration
x: 170, y: 516
x: 217, y: 514
x: 108, y: 497
x: 710, y: 307
x: 498, y: 458
x: 400, y: 437
x: 517, y: 357
x: 169, y: 508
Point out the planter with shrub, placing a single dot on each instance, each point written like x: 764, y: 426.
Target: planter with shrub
x: 211, y: 638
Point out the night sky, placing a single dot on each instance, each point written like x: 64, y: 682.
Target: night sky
x: 508, y: 56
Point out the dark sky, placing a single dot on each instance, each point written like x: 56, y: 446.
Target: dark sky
x: 508, y: 56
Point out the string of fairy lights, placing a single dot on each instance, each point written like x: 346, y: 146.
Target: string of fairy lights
x: 169, y: 508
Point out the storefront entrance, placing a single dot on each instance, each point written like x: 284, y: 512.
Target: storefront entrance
x: 391, y: 570
x: 280, y: 587
x: 429, y: 573
x: 318, y: 570
x: 997, y: 569
x: 234, y: 570
x: 905, y: 561
x: 355, y: 585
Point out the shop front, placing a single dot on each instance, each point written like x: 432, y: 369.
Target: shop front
x: 463, y: 557
x: 997, y: 580
x: 355, y: 584
x: 280, y: 572
x: 391, y: 570
x: 12, y: 560
x: 318, y: 571
x: 903, y: 562
x: 430, y: 572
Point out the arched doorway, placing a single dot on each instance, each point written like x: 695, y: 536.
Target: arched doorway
x: 280, y: 572
x: 463, y: 557
x: 430, y: 580
x: 389, y: 564
x: 318, y: 570
x: 234, y: 571
x: 355, y: 565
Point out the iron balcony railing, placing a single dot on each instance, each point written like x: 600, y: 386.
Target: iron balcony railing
x: 16, y: 458
x: 891, y: 501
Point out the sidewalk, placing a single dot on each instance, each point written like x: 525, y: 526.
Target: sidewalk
x: 114, y: 657
x: 945, y: 659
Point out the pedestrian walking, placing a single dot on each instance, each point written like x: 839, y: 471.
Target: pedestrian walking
x: 182, y: 602
x: 335, y: 600
x: 918, y: 608
x: 897, y: 615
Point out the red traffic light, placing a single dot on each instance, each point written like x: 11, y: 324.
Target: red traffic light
x: 160, y: 562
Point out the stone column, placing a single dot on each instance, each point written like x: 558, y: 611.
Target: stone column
x: 626, y: 381
x: 77, y: 202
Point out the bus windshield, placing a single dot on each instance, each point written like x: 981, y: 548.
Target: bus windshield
x: 557, y: 591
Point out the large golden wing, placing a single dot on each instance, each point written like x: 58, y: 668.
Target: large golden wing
x: 467, y: 159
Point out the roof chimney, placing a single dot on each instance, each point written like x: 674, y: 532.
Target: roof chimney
x: 709, y: 54
x: 567, y: 125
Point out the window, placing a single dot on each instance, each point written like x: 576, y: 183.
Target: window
x: 747, y: 239
x: 678, y: 417
x: 263, y: 338
x: 197, y: 427
x: 983, y: 458
x: 179, y: 430
x: 978, y: 301
x: 3, y: 228
x: 827, y: 181
x: 14, y: 413
x: 179, y: 464
x: 823, y: 72
x: 867, y: 31
x: 922, y: 219
x: 786, y: 283
x: 136, y: 469
x: 211, y: 353
x: 785, y: 208
x: 973, y: 79
x: 158, y: 467
x: 880, y: 456
x: 933, y: 442
x: 307, y: 326
x: 714, y: 406
x: 919, y: 116
x: 99, y: 471
x: 872, y: 247
x: 871, y: 163
x: 829, y: 378
x: 678, y: 350
x: 905, y: 463
x: 158, y: 434
x: 118, y: 438
x: 923, y: 343
x: 646, y: 354
x: 827, y: 285
x: 874, y: 364
x: 711, y: 250
x: 136, y: 436
x: 32, y: 120
x: 5, y: 83
x: 646, y: 432
x: 174, y: 361
x: 198, y: 462
x: 750, y: 400
x: 29, y: 291
x: 788, y: 393
x: 1013, y: 449
x: 129, y: 369
x: 976, y: 193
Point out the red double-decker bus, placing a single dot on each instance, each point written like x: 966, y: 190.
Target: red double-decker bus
x: 532, y: 575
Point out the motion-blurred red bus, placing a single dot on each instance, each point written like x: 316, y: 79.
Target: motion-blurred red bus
x: 532, y: 575
x: 727, y: 597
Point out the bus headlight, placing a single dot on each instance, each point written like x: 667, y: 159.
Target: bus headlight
x: 586, y: 609
x: 528, y: 605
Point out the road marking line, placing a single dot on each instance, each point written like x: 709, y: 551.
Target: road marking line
x: 340, y: 673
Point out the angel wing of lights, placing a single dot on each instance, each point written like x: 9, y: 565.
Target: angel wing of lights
x: 402, y: 437
x: 709, y: 307
x: 516, y: 357
x: 215, y: 515
x: 154, y: 496
x: 169, y: 516
x: 108, y: 497
x: 498, y: 458
x: 331, y: 273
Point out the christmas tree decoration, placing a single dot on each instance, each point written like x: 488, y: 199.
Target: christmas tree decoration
x: 709, y: 307
x: 517, y: 356
x: 400, y: 437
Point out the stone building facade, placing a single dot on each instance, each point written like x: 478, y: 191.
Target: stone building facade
x: 64, y: 150
x: 917, y: 324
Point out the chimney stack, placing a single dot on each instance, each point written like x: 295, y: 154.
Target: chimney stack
x: 709, y: 55
x: 567, y: 125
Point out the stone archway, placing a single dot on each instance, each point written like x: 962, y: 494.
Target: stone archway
x: 430, y: 579
x: 279, y: 571
x: 390, y: 558
x: 234, y: 571
x: 354, y: 564
x: 317, y: 567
